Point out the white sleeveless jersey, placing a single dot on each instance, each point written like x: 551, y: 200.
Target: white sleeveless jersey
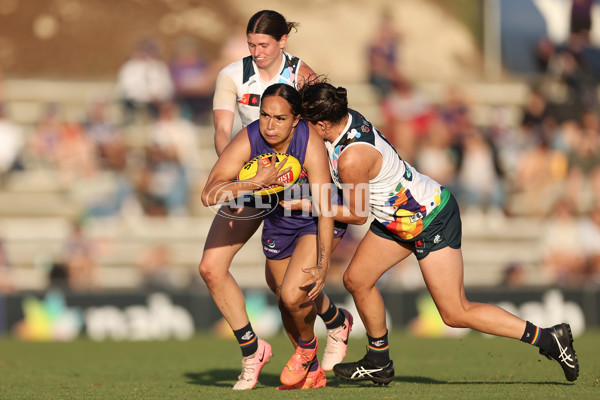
x: 250, y: 87
x: 401, y: 198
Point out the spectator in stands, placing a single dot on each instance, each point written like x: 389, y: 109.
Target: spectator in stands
x: 540, y: 176
x: 59, y: 144
x: 535, y: 113
x: 155, y: 265
x: 44, y: 140
x: 407, y: 114
x: 79, y: 258
x: 106, y: 136
x: 171, y: 160
x: 11, y: 145
x: 584, y: 162
x: 563, y: 260
x: 382, y: 56
x: 480, y: 179
x: 122, y: 201
x: 544, y: 52
x: 581, y: 18
x: 513, y: 276
x: 163, y: 184
x: 176, y: 136
x: 113, y: 155
x: 574, y: 67
x: 456, y: 113
x: 435, y: 157
x: 6, y: 282
x: 194, y: 81
x: 144, y: 81
x: 506, y: 138
x: 77, y: 157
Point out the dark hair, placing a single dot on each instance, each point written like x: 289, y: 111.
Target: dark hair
x: 288, y: 93
x: 323, y: 102
x: 270, y: 23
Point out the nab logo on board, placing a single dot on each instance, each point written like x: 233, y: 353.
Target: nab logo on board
x: 160, y: 319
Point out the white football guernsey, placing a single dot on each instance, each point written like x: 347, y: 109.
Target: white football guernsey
x: 244, y: 77
x: 401, y: 198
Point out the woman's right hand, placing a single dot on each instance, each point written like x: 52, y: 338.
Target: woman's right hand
x: 267, y: 175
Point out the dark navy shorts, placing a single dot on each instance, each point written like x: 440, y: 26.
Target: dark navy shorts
x: 279, y: 243
x: 444, y: 231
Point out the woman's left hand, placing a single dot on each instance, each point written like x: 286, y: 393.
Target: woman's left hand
x: 297, y: 204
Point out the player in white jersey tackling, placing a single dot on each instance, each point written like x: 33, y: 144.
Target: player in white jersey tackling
x: 412, y: 214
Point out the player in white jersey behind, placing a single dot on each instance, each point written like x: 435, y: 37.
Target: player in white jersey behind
x: 413, y: 214
x: 241, y: 83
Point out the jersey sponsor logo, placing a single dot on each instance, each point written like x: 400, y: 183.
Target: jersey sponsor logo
x: 250, y: 99
x: 419, y: 246
x: 416, y: 217
x: 353, y: 133
x: 270, y: 243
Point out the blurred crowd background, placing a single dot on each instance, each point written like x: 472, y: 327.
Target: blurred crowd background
x: 106, y: 131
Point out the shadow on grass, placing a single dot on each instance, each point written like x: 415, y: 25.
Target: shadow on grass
x: 227, y: 377
x: 431, y: 381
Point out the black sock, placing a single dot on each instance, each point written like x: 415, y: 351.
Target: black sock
x: 333, y: 317
x: 537, y: 336
x: 378, y: 350
x: 247, y: 339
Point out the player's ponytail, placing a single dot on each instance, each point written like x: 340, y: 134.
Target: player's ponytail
x: 341, y: 95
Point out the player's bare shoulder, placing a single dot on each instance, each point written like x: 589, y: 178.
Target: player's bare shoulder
x: 306, y: 75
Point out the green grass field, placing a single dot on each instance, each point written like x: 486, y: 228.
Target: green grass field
x: 473, y: 367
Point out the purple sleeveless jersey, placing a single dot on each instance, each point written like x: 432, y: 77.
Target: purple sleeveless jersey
x: 280, y: 229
